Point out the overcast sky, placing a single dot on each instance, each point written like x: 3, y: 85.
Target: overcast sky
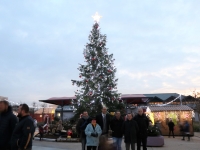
x: 156, y: 45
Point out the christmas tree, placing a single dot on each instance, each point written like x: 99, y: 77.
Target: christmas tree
x: 97, y: 86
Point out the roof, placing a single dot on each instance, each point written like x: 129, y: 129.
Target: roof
x: 133, y: 96
x: 162, y: 96
x: 59, y: 100
x: 129, y: 98
x: 155, y: 99
x: 170, y: 108
x: 62, y: 98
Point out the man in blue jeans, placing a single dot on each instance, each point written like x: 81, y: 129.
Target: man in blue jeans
x: 116, y: 127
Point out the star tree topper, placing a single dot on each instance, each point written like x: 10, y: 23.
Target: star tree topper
x: 96, y: 17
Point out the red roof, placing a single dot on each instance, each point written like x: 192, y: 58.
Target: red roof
x: 134, y: 98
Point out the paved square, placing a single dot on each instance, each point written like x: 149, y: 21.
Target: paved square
x: 170, y: 144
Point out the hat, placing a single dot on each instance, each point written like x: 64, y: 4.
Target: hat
x: 93, y: 118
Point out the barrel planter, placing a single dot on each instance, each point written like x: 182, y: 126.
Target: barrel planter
x: 154, y: 136
x: 155, y: 141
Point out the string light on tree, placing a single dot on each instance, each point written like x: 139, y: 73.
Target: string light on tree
x: 97, y: 76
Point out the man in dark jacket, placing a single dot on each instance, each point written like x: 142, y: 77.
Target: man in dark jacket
x: 143, y: 124
x: 7, y: 124
x: 186, y: 130
x: 23, y: 133
x: 171, y: 127
x: 80, y: 127
x: 130, y: 130
x: 103, y: 120
x: 116, y: 127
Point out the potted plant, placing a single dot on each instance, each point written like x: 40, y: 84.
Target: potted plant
x: 154, y: 136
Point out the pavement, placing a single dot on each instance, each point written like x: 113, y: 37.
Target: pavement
x: 170, y: 144
x: 197, y: 134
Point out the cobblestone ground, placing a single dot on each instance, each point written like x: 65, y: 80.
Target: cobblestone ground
x: 170, y: 144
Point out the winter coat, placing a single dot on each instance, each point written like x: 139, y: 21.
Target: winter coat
x: 81, y: 126
x: 186, y: 127
x: 171, y: 126
x: 8, y: 122
x: 181, y: 128
x: 130, y: 130
x: 41, y: 130
x: 22, y: 134
x: 100, y: 122
x: 143, y: 124
x: 90, y: 140
x: 116, y: 127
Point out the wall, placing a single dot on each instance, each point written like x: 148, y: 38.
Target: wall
x: 39, y: 117
x: 196, y: 118
x: 66, y: 114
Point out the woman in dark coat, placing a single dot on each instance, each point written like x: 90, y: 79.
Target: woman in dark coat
x: 130, y: 130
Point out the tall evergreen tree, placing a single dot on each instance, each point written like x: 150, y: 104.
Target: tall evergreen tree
x: 98, y: 85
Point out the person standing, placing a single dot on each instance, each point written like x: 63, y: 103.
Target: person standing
x: 143, y: 124
x: 103, y: 120
x: 80, y: 128
x: 181, y: 128
x: 116, y: 127
x: 59, y: 130
x: 130, y: 130
x: 171, y: 128
x: 7, y: 124
x: 23, y: 132
x: 35, y: 123
x: 41, y: 131
x: 186, y: 129
x: 93, y: 132
x: 35, y: 126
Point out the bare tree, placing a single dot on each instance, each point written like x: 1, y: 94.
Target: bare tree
x: 34, y: 108
x: 196, y: 94
x: 197, y: 103
x: 43, y: 105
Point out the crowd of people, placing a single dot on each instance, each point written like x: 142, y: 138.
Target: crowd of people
x: 16, y: 132
x: 94, y: 130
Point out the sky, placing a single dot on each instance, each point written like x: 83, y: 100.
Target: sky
x: 156, y: 45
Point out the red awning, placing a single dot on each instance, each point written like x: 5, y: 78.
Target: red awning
x: 59, y: 100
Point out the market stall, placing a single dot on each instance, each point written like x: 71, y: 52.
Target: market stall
x: 161, y: 115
